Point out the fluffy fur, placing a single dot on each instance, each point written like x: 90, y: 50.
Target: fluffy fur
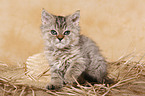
x: 70, y: 55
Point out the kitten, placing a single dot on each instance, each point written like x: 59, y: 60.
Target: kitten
x: 70, y: 55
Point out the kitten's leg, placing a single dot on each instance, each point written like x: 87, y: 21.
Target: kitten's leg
x: 74, y: 71
x: 56, y: 81
x: 97, y: 69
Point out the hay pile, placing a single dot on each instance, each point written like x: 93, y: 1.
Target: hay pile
x: 129, y: 77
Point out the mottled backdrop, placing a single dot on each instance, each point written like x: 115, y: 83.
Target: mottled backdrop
x: 118, y: 26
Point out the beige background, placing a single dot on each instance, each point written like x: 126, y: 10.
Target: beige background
x: 118, y: 26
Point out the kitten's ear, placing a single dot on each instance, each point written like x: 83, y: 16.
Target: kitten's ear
x: 46, y: 17
x: 75, y: 18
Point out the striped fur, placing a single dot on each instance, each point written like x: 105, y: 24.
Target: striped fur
x: 61, y: 22
x: 74, y: 55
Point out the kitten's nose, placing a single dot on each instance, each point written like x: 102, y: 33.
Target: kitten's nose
x: 60, y: 39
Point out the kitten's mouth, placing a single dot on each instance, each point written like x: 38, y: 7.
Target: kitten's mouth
x: 60, y: 45
x: 59, y: 42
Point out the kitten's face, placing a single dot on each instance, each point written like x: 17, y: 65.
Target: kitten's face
x: 60, y: 32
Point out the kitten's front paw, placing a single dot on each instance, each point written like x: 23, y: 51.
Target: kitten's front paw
x: 69, y: 79
x: 54, y: 86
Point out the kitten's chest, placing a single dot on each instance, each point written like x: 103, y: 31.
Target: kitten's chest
x: 62, y: 59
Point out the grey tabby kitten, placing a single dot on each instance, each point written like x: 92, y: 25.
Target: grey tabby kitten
x: 70, y: 55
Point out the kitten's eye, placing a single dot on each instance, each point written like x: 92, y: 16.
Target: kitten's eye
x: 53, y: 32
x: 67, y: 32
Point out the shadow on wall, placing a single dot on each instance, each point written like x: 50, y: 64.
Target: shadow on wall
x: 116, y: 26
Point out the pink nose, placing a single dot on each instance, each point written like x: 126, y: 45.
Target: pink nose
x: 60, y: 37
